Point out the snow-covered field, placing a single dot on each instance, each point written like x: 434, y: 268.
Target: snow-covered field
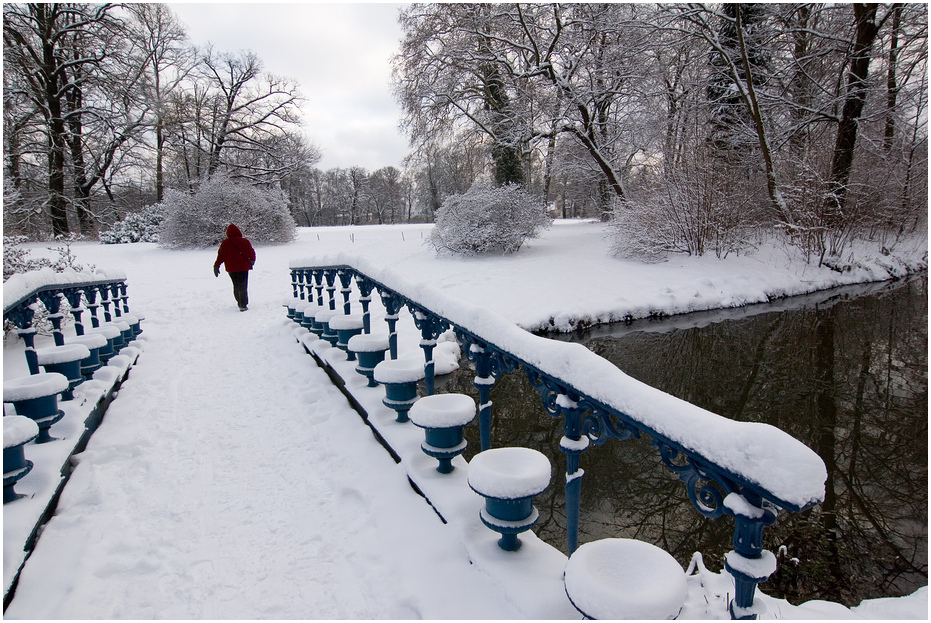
x: 230, y: 479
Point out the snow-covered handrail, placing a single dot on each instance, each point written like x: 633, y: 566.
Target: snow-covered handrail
x: 23, y: 292
x: 746, y: 470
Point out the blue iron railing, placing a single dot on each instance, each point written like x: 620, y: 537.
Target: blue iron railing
x: 749, y: 471
x: 81, y: 291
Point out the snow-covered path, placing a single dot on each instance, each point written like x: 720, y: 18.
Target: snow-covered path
x: 232, y: 480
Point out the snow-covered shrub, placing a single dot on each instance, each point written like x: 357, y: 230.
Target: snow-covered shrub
x: 16, y: 259
x: 136, y: 227
x: 486, y: 219
x: 684, y: 213
x: 199, y: 220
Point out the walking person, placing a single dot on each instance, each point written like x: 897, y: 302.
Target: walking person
x: 237, y: 254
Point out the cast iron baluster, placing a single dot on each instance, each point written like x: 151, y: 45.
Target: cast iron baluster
x: 345, y: 280
x: 297, y: 283
x: 114, y: 290
x: 73, y: 295
x: 318, y: 285
x: 365, y: 297
x: 91, y: 296
x: 105, y: 301
x: 431, y: 327
x: 748, y: 546
x: 124, y: 297
x: 307, y: 285
x: 490, y: 364
x: 330, y: 275
x: 572, y: 445
x: 561, y: 402
x: 52, y: 302
x: 22, y: 316
x: 393, y: 304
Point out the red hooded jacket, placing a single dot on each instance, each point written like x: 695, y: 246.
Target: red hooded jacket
x: 235, y: 251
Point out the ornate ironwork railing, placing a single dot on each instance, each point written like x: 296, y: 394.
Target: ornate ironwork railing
x: 79, y: 291
x: 749, y: 471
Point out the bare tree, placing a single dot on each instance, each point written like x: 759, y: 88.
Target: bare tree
x: 39, y: 41
x: 238, y: 110
x: 161, y: 43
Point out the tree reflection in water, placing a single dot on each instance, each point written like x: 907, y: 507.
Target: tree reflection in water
x: 846, y: 377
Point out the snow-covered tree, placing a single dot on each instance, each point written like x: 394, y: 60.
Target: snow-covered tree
x: 200, y: 219
x: 488, y: 220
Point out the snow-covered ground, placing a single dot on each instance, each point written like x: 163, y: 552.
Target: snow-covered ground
x: 230, y: 479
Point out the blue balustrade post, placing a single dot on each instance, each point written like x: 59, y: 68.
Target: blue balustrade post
x: 393, y: 304
x: 572, y: 445
x: 483, y: 382
x: 748, y: 563
x: 365, y: 297
x: 297, y: 283
x: 21, y: 316
x: 330, y: 276
x: 91, y: 296
x: 115, y: 292
x: 105, y: 302
x: 490, y: 364
x: 124, y: 298
x: 32, y: 358
x: 431, y: 327
x: 318, y: 285
x: 306, y: 287
x: 52, y: 302
x: 73, y: 296
x: 345, y: 280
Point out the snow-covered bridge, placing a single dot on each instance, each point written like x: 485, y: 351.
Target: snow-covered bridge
x: 231, y: 479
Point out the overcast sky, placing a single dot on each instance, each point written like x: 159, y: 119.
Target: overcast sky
x: 338, y: 53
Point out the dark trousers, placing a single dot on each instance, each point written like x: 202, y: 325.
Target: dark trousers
x: 240, y: 288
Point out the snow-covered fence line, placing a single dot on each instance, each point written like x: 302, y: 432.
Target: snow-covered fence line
x: 22, y: 294
x: 746, y: 470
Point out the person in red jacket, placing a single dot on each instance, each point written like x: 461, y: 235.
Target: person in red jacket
x: 239, y: 256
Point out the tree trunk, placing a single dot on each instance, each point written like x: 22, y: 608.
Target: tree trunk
x: 772, y: 185
x: 892, y: 89
x: 159, y: 156
x: 842, y: 161
x: 57, y: 202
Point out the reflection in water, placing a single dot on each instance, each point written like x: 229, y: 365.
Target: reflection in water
x: 847, y: 377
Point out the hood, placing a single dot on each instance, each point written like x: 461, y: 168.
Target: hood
x: 233, y: 232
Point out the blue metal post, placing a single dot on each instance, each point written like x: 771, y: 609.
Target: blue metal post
x: 74, y: 300
x: 105, y: 301
x: 572, y: 428
x: 91, y: 295
x: 297, y: 277
x: 318, y: 285
x: 124, y: 297
x: 52, y: 302
x: 330, y: 276
x: 483, y: 383
x: 115, y: 291
x: 345, y: 280
x: 431, y: 326
x: 392, y: 304
x: 748, y: 544
x: 365, y: 297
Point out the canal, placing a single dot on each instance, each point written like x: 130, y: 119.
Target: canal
x: 843, y: 371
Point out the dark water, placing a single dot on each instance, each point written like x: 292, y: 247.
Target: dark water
x: 845, y: 372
